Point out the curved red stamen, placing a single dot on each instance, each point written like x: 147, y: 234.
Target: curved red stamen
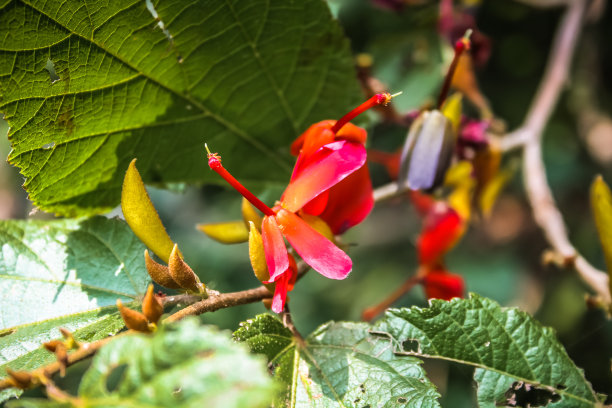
x: 378, y: 99
x: 214, y: 162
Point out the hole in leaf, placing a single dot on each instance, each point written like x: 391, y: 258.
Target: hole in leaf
x: 48, y: 146
x: 114, y: 377
x: 521, y: 394
x: 50, y: 67
x: 411, y: 346
x: 402, y: 400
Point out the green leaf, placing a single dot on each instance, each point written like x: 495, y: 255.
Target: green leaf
x: 65, y: 273
x: 601, y: 205
x: 343, y: 365
x: 20, y: 347
x: 183, y: 365
x: 506, y: 345
x: 155, y: 80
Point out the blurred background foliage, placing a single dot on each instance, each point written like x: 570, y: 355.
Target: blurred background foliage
x: 499, y: 258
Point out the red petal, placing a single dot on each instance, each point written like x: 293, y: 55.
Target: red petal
x: 277, y: 257
x: 440, y: 284
x: 352, y: 133
x: 440, y: 233
x: 330, y: 165
x: 350, y: 201
x: 280, y: 292
x: 313, y: 138
x: 316, y: 250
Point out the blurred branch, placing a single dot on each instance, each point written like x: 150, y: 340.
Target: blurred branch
x: 529, y: 137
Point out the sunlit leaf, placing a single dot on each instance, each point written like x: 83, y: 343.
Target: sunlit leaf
x: 342, y: 365
x: 506, y: 346
x: 185, y: 365
x: 65, y: 273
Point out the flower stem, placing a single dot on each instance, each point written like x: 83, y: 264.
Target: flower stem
x: 214, y: 162
x: 371, y: 312
x: 461, y: 45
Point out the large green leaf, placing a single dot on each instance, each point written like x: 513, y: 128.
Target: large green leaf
x: 508, y: 347
x: 20, y: 347
x: 63, y: 274
x: 87, y: 86
x: 343, y: 365
x: 184, y: 365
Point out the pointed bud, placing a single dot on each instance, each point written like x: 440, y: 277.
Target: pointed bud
x: 258, y: 256
x: 20, y: 379
x: 233, y: 232
x: 52, y: 345
x: 183, y: 274
x: 250, y: 214
x: 152, y: 307
x: 141, y: 216
x: 267, y: 302
x: 133, y: 320
x: 70, y: 342
x: 159, y: 273
x: 427, y: 152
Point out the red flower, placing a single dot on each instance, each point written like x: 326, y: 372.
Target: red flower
x: 442, y: 229
x: 350, y: 199
x: 328, y: 157
x: 441, y: 284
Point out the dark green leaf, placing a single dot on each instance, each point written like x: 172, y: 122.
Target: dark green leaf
x: 65, y: 273
x: 507, y: 346
x: 343, y: 365
x: 154, y: 80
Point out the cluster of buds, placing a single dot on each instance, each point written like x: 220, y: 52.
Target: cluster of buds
x: 145, y: 322
x: 141, y: 216
x: 329, y: 192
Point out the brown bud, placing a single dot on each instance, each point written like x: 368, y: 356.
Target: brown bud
x: 133, y: 320
x: 159, y: 273
x: 70, y: 342
x: 52, y: 345
x: 61, y: 353
x: 182, y: 273
x: 19, y: 379
x: 151, y: 306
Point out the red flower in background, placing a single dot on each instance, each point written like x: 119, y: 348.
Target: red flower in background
x: 442, y: 229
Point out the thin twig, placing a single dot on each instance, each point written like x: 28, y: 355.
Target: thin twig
x: 529, y: 136
x: 221, y: 301
x: 371, y: 312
